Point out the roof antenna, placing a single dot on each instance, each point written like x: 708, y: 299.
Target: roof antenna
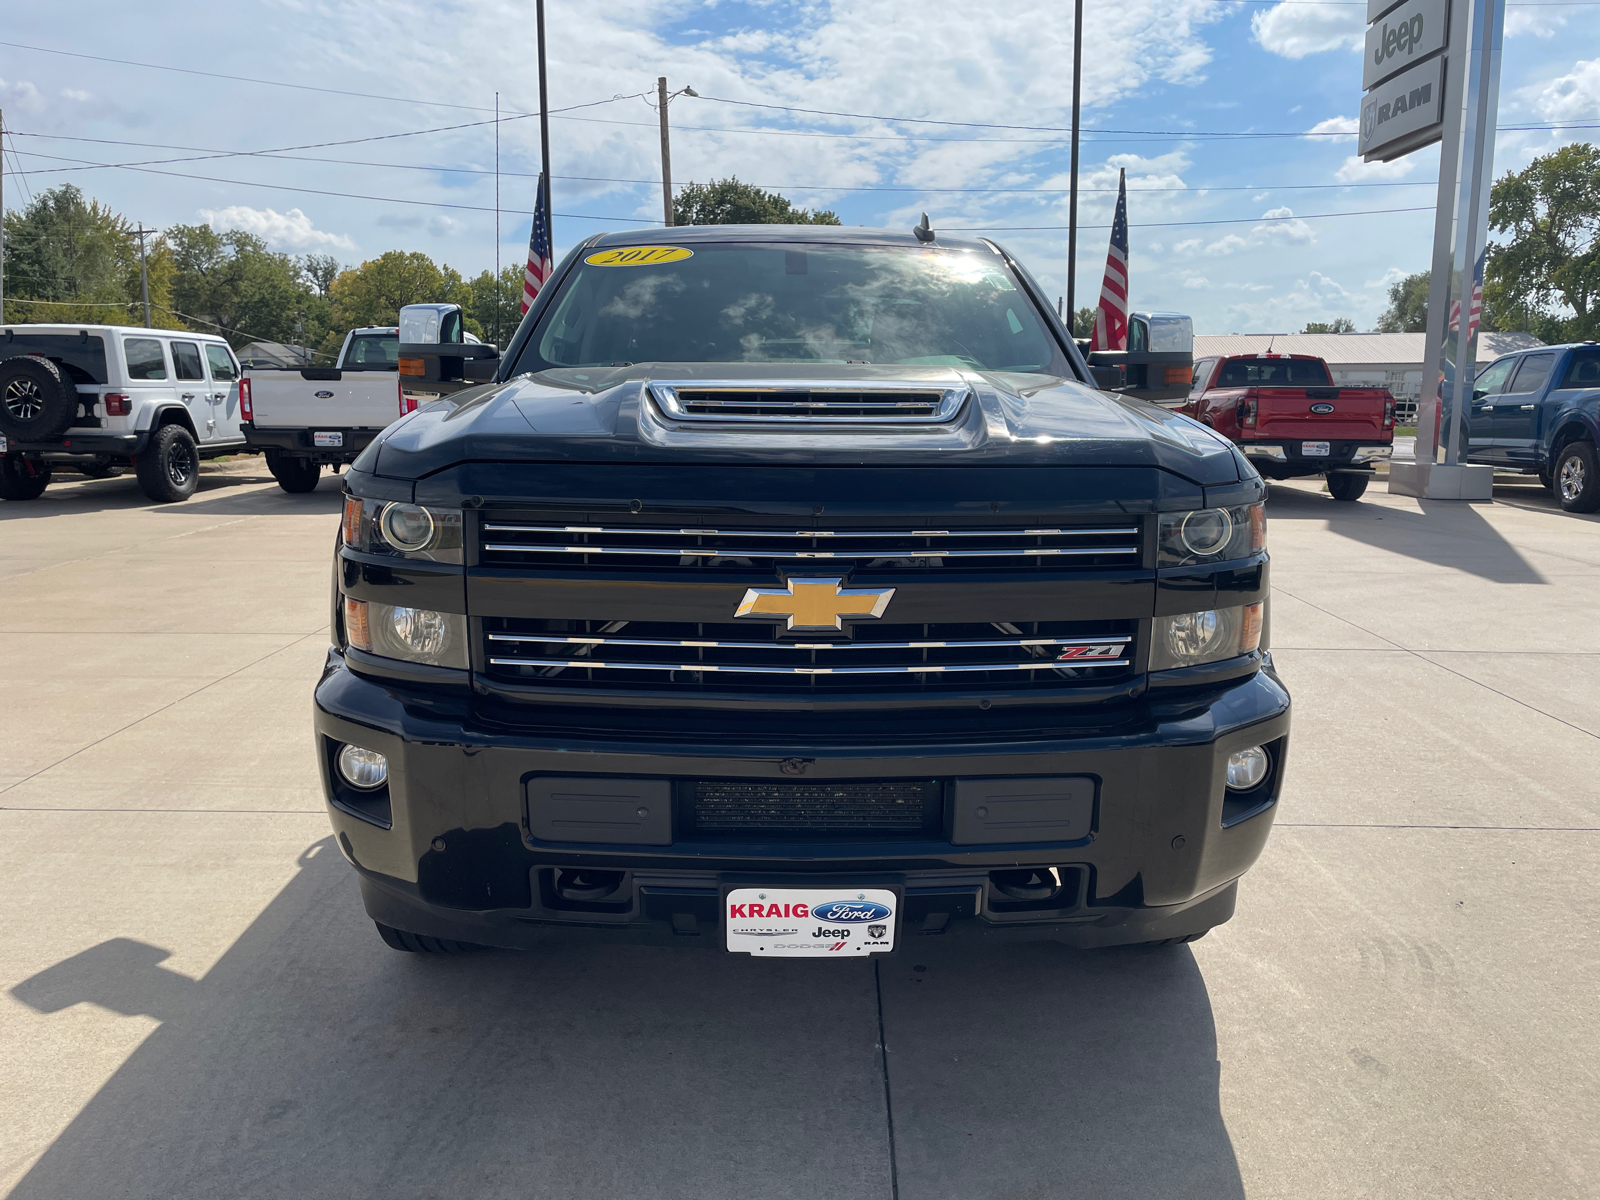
x: 924, y: 232
x: 1270, y: 341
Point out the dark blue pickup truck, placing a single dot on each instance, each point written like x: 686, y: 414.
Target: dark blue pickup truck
x: 1538, y: 411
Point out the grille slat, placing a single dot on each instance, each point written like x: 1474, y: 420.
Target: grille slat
x: 658, y: 547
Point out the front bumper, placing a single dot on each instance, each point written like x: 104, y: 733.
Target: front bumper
x: 447, y: 849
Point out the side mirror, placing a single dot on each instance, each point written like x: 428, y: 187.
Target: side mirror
x: 1108, y: 379
x: 438, y: 329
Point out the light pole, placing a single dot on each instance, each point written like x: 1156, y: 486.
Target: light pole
x: 1072, y: 199
x: 144, y: 272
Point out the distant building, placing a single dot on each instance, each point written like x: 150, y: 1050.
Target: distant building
x: 1391, y: 360
x: 268, y: 356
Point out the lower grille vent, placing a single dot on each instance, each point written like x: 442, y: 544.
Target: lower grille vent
x: 792, y: 809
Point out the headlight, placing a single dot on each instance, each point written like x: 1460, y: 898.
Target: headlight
x: 1192, y: 639
x: 1209, y: 535
x: 1247, y: 768
x: 408, y: 527
x: 362, y: 768
x: 419, y: 635
x: 402, y: 530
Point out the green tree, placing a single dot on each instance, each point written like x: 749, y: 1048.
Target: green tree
x: 1337, y: 325
x: 497, y: 310
x: 729, y: 202
x: 1551, y: 260
x: 72, y: 259
x: 319, y: 272
x: 1408, y: 306
x: 1083, y: 325
x: 231, y: 283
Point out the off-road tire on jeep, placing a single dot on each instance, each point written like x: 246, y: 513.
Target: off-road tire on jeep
x: 295, y: 475
x: 103, y: 466
x: 1347, y: 485
x: 22, y: 479
x: 169, y: 468
x: 37, y: 402
x: 418, y: 943
x: 1577, y: 477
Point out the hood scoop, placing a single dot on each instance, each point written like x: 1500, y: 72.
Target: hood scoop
x: 804, y: 402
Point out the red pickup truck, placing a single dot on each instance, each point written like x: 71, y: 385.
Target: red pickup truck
x: 1286, y: 414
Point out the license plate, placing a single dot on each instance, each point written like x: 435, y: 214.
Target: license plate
x: 337, y: 439
x: 5, y: 446
x: 1314, y: 449
x: 840, y: 922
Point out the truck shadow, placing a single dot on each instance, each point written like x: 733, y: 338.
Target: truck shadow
x: 1446, y: 533
x: 313, y: 1061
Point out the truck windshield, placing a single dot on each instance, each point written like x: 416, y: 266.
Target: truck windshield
x: 798, y: 303
x: 373, y: 352
x: 1274, y: 372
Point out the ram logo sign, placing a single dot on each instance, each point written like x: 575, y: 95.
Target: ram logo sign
x: 1403, y: 110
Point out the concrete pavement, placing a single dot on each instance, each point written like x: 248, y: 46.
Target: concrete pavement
x: 192, y: 1003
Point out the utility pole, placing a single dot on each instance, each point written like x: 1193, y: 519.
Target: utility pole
x: 2, y: 214
x: 544, y: 128
x: 666, y: 154
x: 144, y: 272
x: 1072, y: 199
x: 497, y: 218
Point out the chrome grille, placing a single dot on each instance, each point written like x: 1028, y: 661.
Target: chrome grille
x: 517, y: 543
x: 878, y: 657
x: 788, y: 402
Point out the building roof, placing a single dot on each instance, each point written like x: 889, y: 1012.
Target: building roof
x: 1372, y: 348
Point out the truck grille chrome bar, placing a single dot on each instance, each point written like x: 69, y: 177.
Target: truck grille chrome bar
x: 520, y: 544
x: 788, y: 402
x: 747, y: 669
x: 578, y: 639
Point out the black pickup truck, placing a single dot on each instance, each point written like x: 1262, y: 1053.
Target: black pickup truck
x: 792, y: 591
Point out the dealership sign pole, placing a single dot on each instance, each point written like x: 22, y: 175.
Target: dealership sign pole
x: 1432, y: 74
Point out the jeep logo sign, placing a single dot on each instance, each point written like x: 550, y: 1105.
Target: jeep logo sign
x: 1403, y: 37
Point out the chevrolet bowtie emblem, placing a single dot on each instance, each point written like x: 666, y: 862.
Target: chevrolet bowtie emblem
x: 815, y: 604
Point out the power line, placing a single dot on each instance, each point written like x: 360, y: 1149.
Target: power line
x: 1371, y: 212
x: 788, y: 187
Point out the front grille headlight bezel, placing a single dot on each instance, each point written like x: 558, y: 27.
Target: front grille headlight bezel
x: 379, y: 527
x: 1196, y: 639
x: 1203, y: 536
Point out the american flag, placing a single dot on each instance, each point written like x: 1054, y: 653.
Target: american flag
x: 1475, y: 313
x: 539, y: 259
x: 1111, y: 321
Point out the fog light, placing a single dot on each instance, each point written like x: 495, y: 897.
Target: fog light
x: 407, y: 526
x: 362, y: 768
x: 424, y: 632
x: 1247, y: 768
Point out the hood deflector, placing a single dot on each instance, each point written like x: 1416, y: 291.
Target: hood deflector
x: 790, y: 402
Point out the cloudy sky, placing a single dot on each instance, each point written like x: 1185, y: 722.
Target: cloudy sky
x: 386, y: 138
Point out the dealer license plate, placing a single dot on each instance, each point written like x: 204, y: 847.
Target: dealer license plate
x: 327, y: 439
x: 840, y: 922
x: 5, y: 446
x: 1314, y: 449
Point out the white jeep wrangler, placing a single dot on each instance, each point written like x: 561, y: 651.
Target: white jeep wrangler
x: 99, y: 398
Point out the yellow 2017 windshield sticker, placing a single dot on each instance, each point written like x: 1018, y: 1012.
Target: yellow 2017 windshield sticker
x: 638, y: 256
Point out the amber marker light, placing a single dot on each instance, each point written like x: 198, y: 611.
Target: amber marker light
x: 358, y: 635
x: 352, y: 520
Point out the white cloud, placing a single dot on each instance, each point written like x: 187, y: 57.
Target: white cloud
x: 1390, y: 277
x: 1569, y: 97
x: 1539, y: 22
x: 1296, y: 30
x: 1187, y: 246
x: 1283, y: 227
x: 290, y: 231
x: 21, y: 96
x: 1345, y: 128
x: 1354, y: 170
x: 1227, y: 245
x: 1195, y: 282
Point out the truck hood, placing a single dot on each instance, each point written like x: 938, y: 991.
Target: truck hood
x: 607, y: 416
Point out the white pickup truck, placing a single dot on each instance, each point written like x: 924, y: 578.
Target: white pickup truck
x: 315, y: 416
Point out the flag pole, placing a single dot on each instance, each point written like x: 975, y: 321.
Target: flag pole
x: 1072, y: 199
x: 544, y: 130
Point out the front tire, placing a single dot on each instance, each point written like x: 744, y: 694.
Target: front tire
x: 1577, y: 477
x: 169, y: 468
x: 22, y: 478
x: 295, y: 475
x: 418, y: 943
x: 1347, y: 486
